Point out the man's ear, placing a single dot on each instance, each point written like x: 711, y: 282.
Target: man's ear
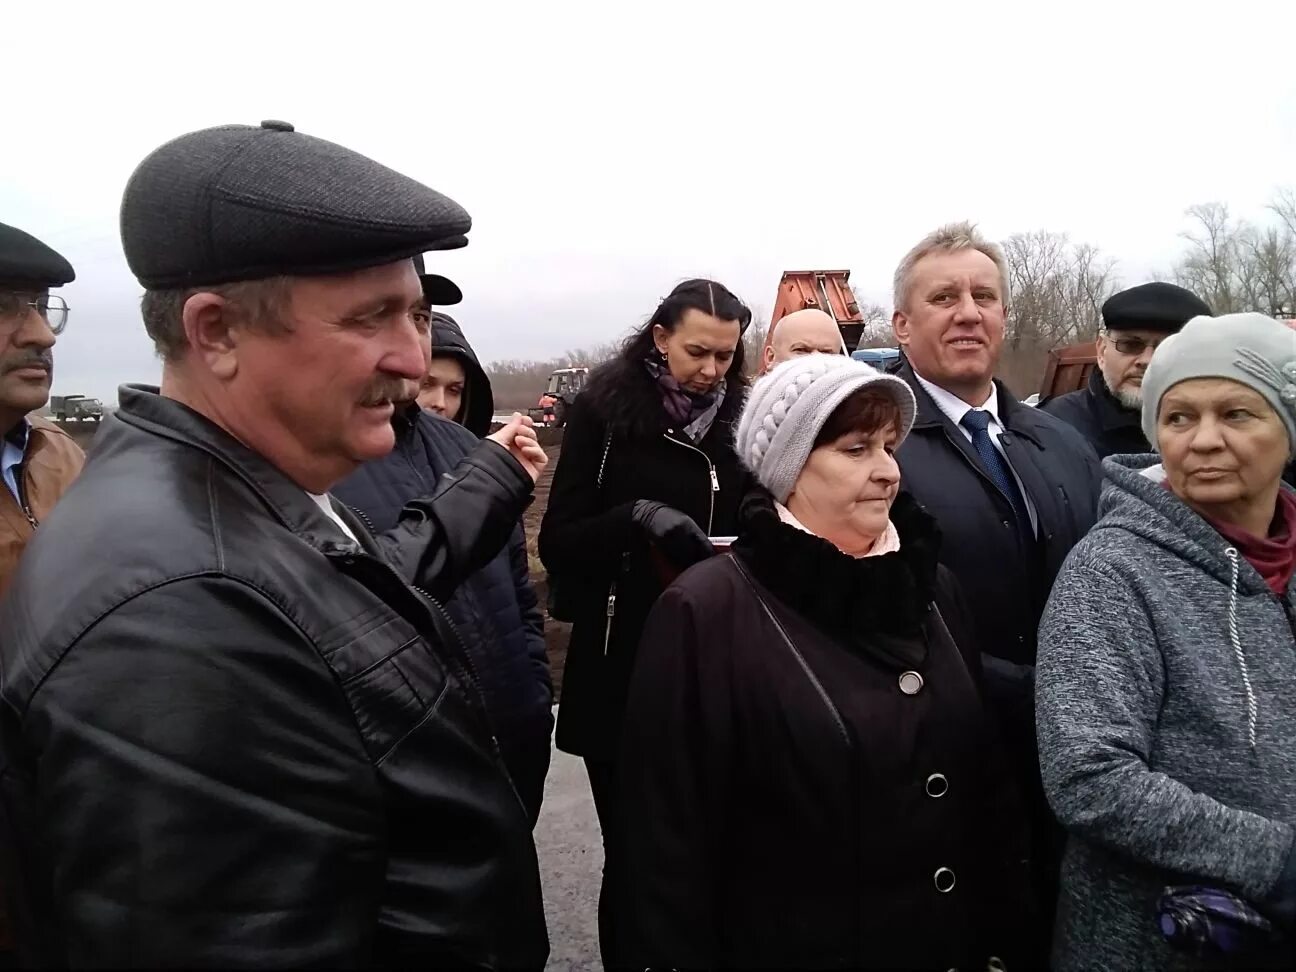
x: 210, y: 328
x: 900, y: 327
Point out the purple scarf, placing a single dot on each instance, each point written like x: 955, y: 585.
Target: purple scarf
x: 695, y: 412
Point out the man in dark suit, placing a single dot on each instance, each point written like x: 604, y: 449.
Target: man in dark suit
x: 1109, y: 412
x: 1012, y: 488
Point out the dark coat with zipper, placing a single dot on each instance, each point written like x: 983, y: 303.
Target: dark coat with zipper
x: 495, y: 609
x: 1005, y: 574
x: 588, y: 537
x: 1107, y: 425
x: 808, y: 776
x: 231, y: 736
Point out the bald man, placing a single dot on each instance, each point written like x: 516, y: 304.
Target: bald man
x: 802, y: 332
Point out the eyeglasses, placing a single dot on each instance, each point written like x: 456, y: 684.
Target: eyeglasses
x: 52, y: 309
x: 1134, y: 346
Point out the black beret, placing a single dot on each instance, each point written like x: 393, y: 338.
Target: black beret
x: 243, y: 203
x: 1153, y: 306
x: 438, y: 291
x: 27, y: 262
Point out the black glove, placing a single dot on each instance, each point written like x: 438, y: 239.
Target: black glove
x: 673, y: 533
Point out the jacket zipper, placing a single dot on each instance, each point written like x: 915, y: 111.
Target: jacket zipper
x: 715, y: 480
x: 20, y: 473
x: 611, y: 604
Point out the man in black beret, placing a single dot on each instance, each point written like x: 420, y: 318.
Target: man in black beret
x: 1135, y: 321
x: 238, y: 727
x: 37, y: 459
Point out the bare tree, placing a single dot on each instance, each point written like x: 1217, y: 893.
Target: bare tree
x: 1238, y: 266
x: 1057, y: 289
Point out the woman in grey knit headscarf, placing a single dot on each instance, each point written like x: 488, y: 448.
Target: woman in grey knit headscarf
x: 1166, y: 684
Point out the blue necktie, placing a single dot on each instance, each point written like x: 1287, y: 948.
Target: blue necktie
x: 977, y: 421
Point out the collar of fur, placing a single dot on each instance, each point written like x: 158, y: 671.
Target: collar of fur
x: 625, y: 396
x: 873, y: 604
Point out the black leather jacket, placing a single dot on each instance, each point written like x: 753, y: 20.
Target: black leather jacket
x: 232, y: 737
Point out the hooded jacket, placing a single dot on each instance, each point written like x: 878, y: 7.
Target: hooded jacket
x: 495, y: 608
x: 1166, y: 707
x: 478, y: 407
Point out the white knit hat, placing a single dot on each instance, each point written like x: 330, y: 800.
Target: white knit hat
x: 788, y: 406
x: 1251, y: 349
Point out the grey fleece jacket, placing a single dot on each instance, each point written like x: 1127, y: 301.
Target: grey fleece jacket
x: 1167, y: 734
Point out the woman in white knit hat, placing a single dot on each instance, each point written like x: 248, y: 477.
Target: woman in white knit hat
x: 1166, y: 683
x: 809, y: 779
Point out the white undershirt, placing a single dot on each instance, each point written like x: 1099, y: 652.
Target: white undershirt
x: 955, y: 408
x: 322, y: 501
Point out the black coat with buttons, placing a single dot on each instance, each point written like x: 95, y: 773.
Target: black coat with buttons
x: 808, y: 776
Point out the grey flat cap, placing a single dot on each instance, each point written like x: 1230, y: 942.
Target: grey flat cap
x: 243, y: 203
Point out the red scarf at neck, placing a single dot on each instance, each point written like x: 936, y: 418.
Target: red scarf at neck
x: 1274, y: 556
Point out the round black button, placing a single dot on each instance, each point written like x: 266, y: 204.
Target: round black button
x: 277, y: 126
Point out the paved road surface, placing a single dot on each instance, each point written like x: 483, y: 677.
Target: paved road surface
x: 571, y: 862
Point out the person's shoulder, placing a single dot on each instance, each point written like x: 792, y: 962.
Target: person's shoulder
x: 716, y: 580
x: 54, y: 437
x: 447, y: 431
x: 1050, y: 429
x: 1072, y: 403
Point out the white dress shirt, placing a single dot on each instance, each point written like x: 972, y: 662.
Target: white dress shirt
x: 955, y: 408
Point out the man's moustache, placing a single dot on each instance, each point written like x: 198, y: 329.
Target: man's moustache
x: 394, y: 391
x: 31, y: 359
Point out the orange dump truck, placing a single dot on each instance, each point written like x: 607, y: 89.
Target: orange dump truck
x: 825, y: 290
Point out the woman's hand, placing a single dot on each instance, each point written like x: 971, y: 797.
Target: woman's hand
x: 674, y: 534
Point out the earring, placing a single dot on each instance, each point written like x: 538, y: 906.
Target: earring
x: 663, y: 356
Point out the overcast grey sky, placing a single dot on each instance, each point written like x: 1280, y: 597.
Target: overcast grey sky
x: 606, y: 152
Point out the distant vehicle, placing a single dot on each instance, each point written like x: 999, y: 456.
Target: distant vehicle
x: 563, y: 387
x: 881, y: 358
x: 1067, y: 370
x: 825, y: 290
x: 75, y: 408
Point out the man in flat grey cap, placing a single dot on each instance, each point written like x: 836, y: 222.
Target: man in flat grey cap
x: 238, y: 729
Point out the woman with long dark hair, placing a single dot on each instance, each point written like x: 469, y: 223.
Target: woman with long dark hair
x: 646, y: 474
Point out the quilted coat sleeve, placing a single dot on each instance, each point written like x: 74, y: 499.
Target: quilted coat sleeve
x: 529, y: 606
x: 440, y: 540
x: 205, y: 798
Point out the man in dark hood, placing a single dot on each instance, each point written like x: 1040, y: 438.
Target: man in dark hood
x: 495, y: 610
